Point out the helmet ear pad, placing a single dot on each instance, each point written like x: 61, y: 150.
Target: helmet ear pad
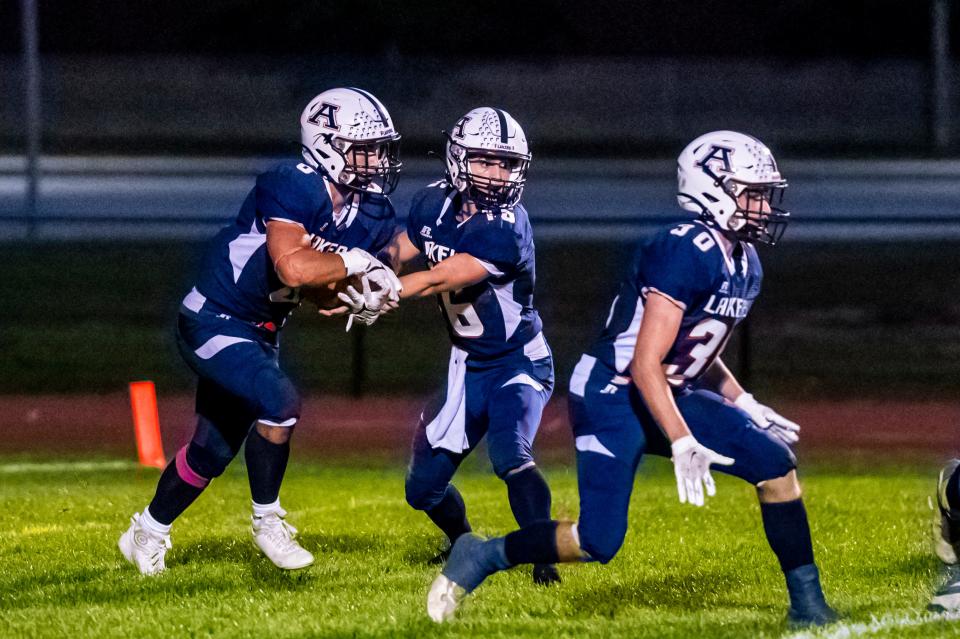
x: 456, y: 165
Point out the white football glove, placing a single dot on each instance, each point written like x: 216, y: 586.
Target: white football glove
x: 691, y: 465
x: 768, y: 419
x: 365, y: 306
x: 359, y: 261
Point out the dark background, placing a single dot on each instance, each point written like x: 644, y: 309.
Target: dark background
x: 492, y: 30
x: 623, y: 79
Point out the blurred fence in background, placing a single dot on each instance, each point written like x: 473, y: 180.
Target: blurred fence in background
x: 589, y: 199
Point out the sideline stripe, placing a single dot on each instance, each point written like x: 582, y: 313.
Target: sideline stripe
x: 875, y: 626
x: 59, y: 467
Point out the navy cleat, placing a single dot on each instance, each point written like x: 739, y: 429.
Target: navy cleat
x: 545, y: 574
x: 471, y: 560
x: 808, y: 607
x: 440, y: 558
x: 946, y: 528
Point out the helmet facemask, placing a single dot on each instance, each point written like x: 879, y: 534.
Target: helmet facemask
x: 762, y: 220
x: 372, y: 166
x: 488, y: 192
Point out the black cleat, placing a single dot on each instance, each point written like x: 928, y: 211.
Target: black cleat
x: 808, y: 607
x: 814, y: 616
x: 545, y: 574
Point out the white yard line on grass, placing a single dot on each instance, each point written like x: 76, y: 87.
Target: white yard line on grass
x: 66, y: 467
x: 874, y: 626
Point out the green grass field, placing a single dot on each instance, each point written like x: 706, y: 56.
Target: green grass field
x: 683, y: 572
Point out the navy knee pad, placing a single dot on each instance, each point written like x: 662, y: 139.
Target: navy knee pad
x: 422, y: 495
x: 602, y: 543
x: 277, y: 397
x: 774, y: 464
x: 211, y: 449
x: 508, y: 458
x: 208, y: 462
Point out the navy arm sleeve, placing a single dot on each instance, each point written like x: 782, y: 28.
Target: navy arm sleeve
x: 676, y: 266
x: 288, y: 194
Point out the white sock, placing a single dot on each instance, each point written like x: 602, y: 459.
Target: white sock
x: 152, y: 525
x: 259, y: 510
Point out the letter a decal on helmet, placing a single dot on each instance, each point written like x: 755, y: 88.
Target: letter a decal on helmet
x: 328, y: 112
x: 717, y: 154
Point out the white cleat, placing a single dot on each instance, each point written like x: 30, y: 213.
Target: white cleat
x: 275, y: 538
x: 143, y: 548
x: 443, y: 599
x: 947, y: 598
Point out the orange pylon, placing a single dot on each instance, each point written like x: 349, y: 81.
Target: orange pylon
x: 146, y: 424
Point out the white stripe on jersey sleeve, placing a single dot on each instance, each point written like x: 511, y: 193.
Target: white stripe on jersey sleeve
x: 489, y: 267
x: 649, y: 289
x: 284, y: 220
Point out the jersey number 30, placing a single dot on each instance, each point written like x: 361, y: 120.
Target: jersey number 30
x: 709, y: 335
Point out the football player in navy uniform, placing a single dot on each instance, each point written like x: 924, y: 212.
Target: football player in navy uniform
x: 654, y: 383
x: 947, y: 538
x: 308, y: 223
x: 477, y: 240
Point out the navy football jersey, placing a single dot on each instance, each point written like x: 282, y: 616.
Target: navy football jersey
x: 237, y: 277
x: 496, y: 316
x: 687, y: 263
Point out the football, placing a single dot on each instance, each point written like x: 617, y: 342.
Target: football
x: 325, y: 298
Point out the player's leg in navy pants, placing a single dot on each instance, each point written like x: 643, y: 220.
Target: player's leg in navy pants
x: 513, y: 416
x: 428, y: 486
x: 239, y: 384
x: 610, y: 443
x: 223, y: 421
x: 514, y: 411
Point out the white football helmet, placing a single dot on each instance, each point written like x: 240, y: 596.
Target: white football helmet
x: 348, y: 134
x: 717, y: 168
x: 482, y: 135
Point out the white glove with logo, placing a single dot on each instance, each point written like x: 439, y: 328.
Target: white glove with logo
x: 365, y: 306
x: 359, y: 261
x: 768, y: 419
x: 691, y: 465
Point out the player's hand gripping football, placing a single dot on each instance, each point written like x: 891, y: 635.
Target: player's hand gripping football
x: 360, y: 262
x: 691, y: 465
x: 365, y: 306
x: 768, y: 419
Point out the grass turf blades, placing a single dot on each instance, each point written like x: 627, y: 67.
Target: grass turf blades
x: 682, y: 572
